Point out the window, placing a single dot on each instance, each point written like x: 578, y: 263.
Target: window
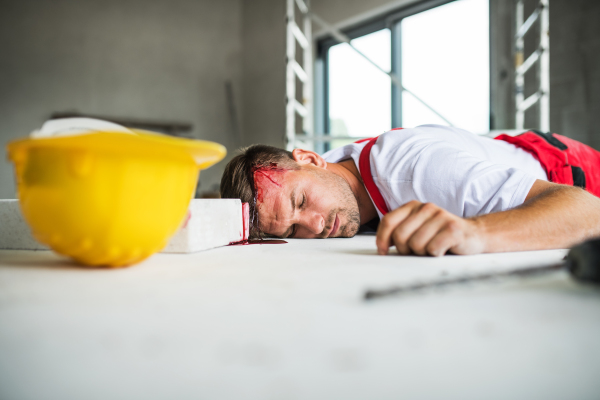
x: 439, y: 51
x: 359, y: 95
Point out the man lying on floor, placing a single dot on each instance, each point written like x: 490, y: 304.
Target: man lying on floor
x: 435, y: 189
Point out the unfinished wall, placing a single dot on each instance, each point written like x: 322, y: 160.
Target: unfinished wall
x: 263, y: 60
x: 148, y: 59
x: 502, y: 76
x: 575, y: 69
x: 170, y: 59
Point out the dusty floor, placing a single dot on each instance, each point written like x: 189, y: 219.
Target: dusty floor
x: 288, y: 322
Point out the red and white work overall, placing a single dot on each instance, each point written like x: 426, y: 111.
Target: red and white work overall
x: 566, y: 161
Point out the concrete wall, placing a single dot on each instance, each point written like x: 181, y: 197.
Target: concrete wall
x: 263, y: 60
x: 170, y: 59
x: 575, y: 69
x: 147, y: 59
x: 502, y: 77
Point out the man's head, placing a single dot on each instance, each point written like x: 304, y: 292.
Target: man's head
x: 291, y: 194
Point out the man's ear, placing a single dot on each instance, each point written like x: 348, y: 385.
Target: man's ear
x: 306, y: 157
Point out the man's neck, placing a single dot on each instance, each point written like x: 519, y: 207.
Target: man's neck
x: 348, y: 171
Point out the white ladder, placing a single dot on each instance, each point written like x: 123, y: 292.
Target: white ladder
x: 304, y: 73
x: 542, y: 56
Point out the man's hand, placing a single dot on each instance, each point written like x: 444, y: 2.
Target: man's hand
x: 552, y: 217
x: 426, y: 229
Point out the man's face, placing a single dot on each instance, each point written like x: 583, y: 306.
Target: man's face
x: 310, y: 202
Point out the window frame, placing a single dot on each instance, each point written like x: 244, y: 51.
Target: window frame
x: 390, y: 21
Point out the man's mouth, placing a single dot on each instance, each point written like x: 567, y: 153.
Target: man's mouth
x: 336, y: 226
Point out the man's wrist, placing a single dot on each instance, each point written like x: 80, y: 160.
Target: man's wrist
x: 482, y: 239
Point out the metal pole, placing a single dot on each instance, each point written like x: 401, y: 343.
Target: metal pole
x: 290, y: 78
x: 519, y: 78
x: 545, y: 67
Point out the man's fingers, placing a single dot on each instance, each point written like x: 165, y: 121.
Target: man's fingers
x: 401, y: 246
x: 417, y: 228
x: 420, y: 241
x: 402, y: 235
x: 398, y: 227
x: 448, y: 237
x: 389, y: 222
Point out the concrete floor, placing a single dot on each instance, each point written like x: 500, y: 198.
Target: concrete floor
x: 288, y: 322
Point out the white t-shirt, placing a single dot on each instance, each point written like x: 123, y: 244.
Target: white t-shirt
x: 459, y: 171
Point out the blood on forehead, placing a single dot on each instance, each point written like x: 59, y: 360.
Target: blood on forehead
x: 265, y: 177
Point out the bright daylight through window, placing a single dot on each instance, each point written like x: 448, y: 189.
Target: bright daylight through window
x: 443, y: 57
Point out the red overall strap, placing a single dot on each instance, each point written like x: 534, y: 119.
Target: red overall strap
x: 364, y: 165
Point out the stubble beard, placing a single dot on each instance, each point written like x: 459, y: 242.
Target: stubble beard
x: 348, y: 206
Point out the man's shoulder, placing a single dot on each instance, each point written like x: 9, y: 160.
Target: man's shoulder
x: 415, y: 139
x: 421, y: 137
x: 420, y: 133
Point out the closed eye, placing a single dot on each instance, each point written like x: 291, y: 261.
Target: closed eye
x: 295, y: 227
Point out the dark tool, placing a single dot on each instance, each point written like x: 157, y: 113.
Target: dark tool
x: 582, y: 262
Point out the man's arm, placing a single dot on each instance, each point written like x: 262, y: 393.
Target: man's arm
x: 552, y: 216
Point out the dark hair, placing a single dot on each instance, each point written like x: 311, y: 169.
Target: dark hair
x: 237, y: 181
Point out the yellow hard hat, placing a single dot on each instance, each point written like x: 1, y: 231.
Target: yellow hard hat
x: 108, y: 198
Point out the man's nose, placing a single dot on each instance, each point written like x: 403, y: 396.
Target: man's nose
x: 315, y: 223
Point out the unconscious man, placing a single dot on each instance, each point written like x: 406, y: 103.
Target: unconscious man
x: 429, y: 190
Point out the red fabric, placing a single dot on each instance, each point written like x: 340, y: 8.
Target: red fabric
x: 363, y: 140
x: 557, y: 163
x: 364, y: 165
